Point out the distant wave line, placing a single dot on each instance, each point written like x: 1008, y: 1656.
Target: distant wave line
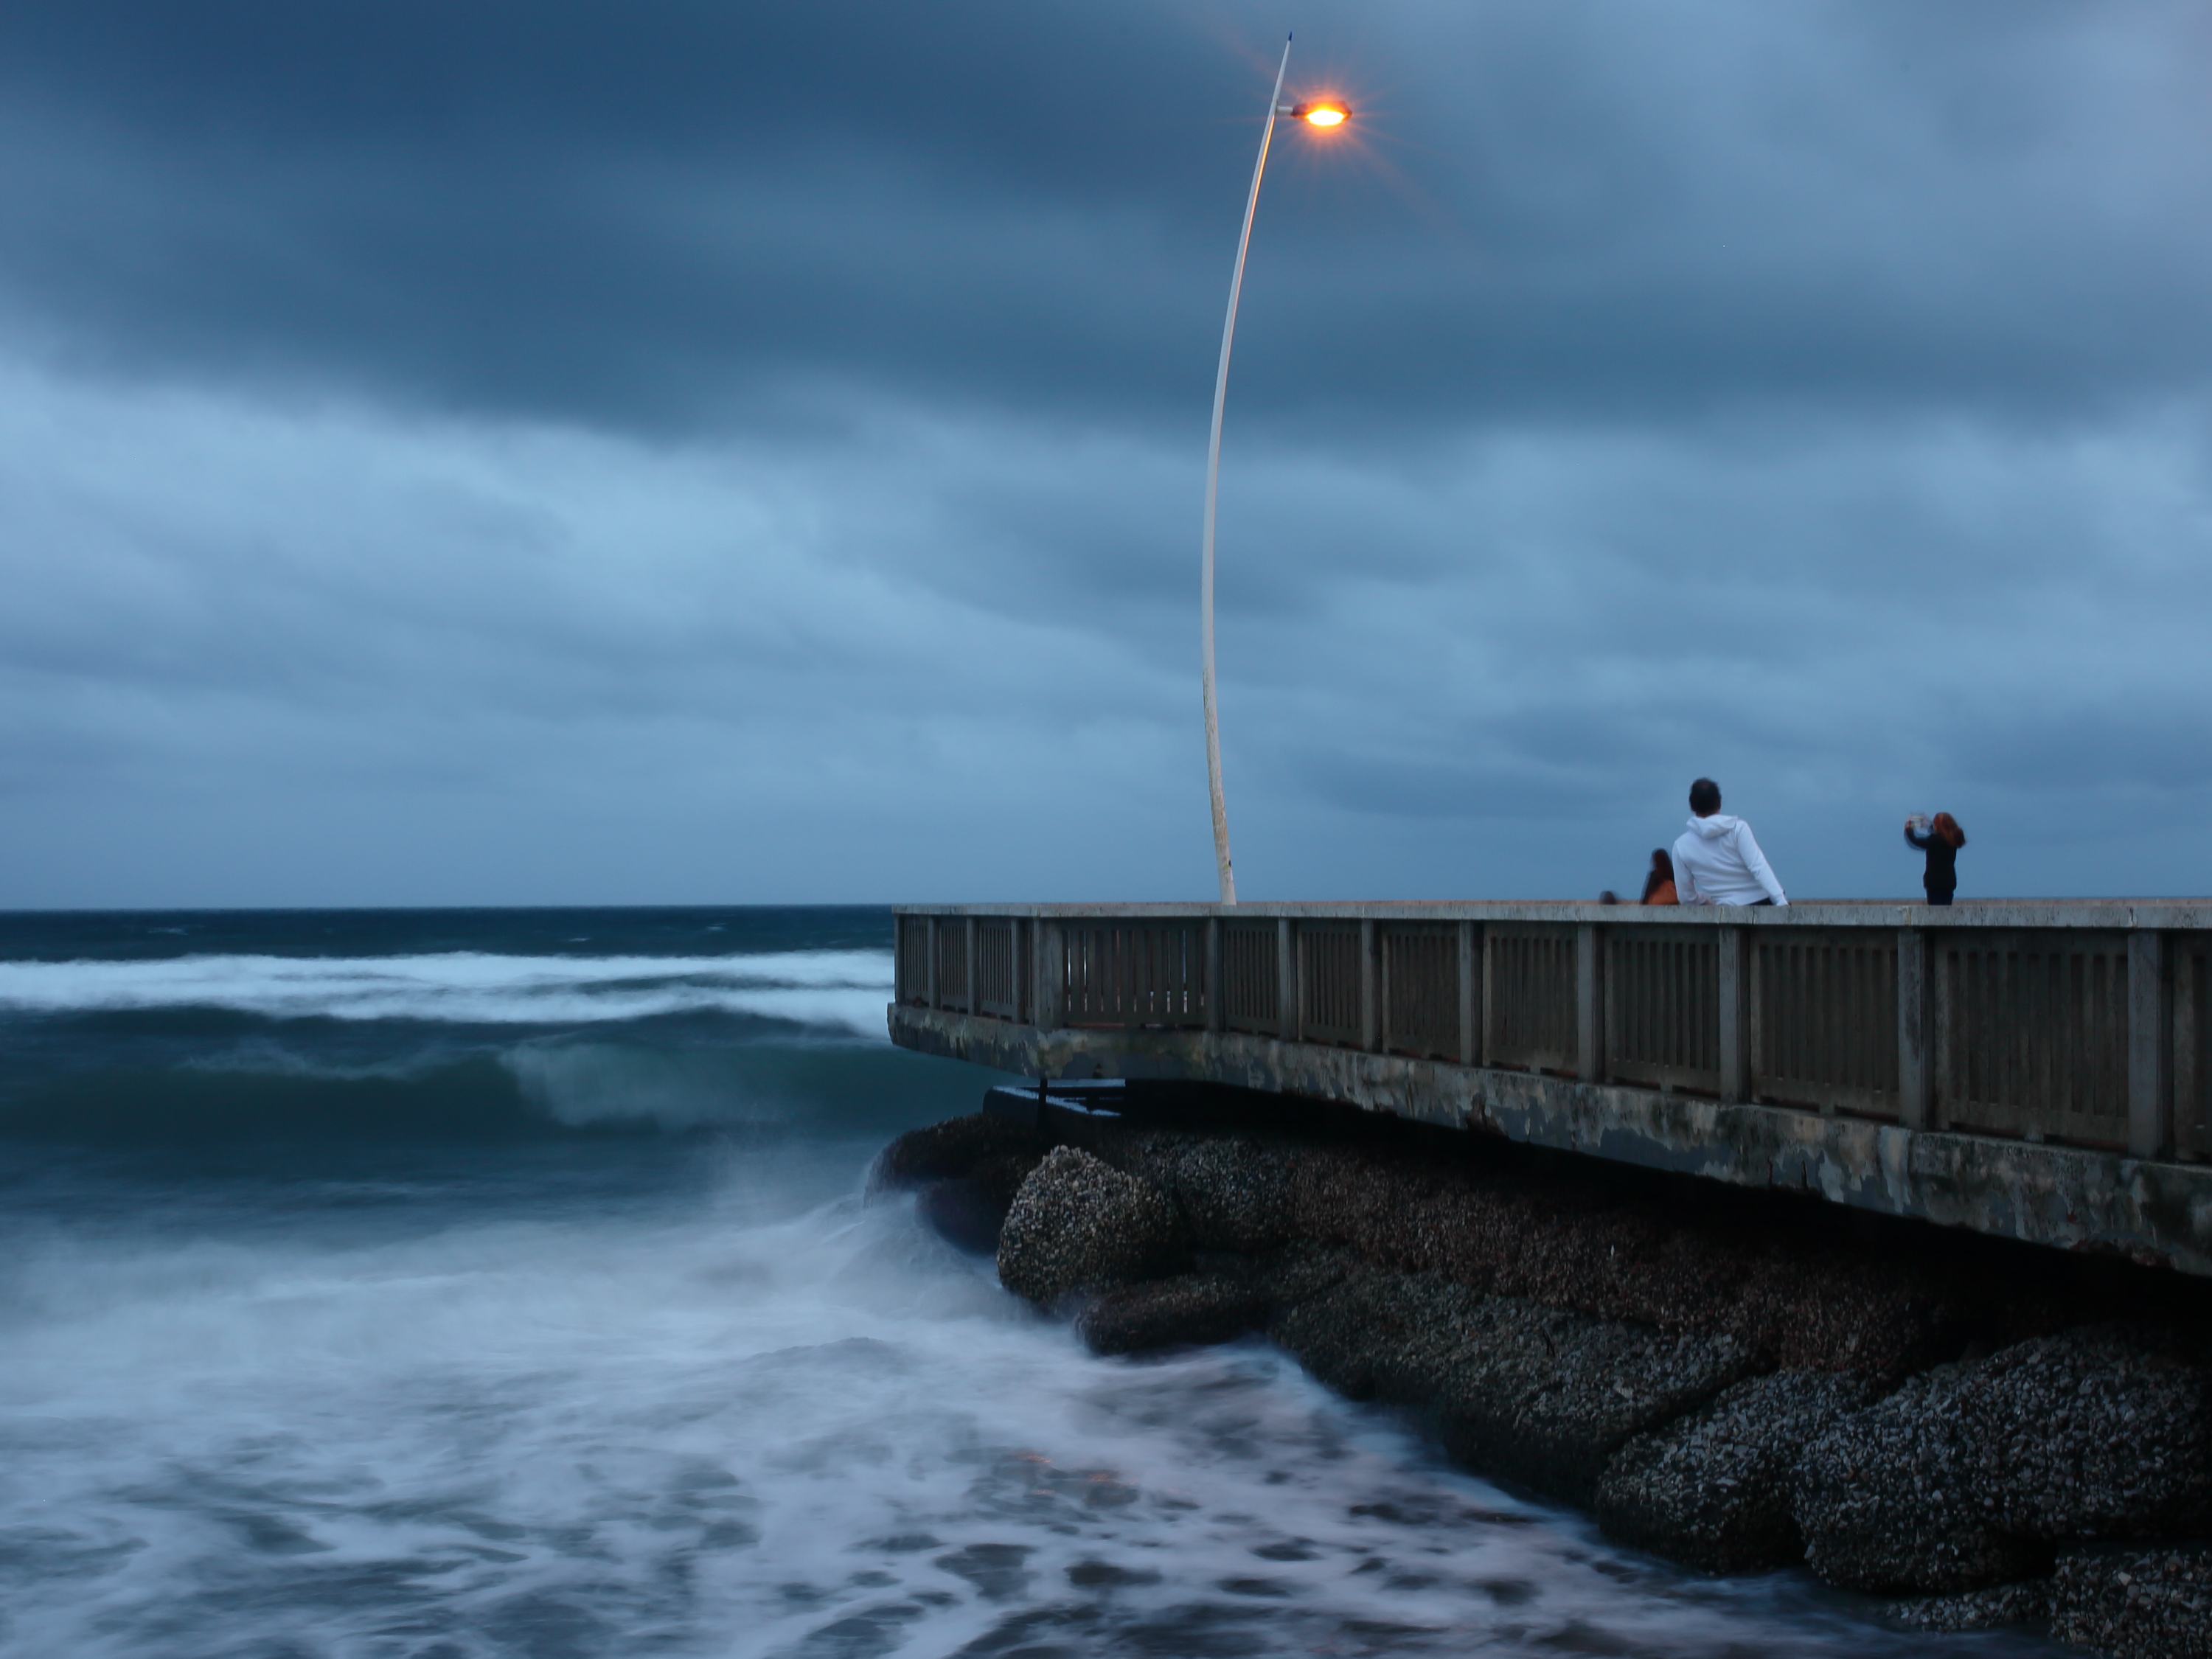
x: 840, y: 988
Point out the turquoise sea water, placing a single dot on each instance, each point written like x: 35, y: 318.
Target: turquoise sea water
x: 504, y: 1283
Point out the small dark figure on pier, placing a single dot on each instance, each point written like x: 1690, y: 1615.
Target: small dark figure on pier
x: 1941, y: 838
x: 1659, y: 883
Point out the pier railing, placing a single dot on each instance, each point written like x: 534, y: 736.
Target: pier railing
x: 2082, y: 1023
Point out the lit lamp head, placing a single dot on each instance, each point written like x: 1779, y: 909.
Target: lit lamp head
x: 1321, y: 113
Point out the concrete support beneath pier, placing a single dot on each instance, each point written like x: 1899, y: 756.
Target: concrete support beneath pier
x: 2065, y: 1197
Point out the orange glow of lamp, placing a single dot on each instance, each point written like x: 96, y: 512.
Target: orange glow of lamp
x: 1323, y: 113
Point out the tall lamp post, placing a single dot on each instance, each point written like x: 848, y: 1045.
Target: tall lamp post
x: 1322, y: 112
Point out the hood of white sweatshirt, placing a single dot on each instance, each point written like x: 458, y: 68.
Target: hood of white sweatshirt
x: 1714, y: 827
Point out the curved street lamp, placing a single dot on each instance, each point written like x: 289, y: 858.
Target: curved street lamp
x: 1323, y: 113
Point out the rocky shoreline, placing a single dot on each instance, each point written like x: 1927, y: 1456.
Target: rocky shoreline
x: 1986, y: 1435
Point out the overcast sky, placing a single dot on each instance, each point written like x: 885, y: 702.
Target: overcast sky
x: 480, y: 452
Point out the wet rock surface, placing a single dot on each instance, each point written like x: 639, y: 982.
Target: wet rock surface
x: 1370, y: 1333
x: 959, y: 1147
x: 1079, y: 1224
x: 1300, y: 1272
x: 968, y: 1170
x: 1233, y: 1193
x: 1959, y: 1428
x: 2103, y: 1433
x: 2135, y: 1604
x: 1711, y: 1489
x: 2025, y: 1607
x: 1967, y: 1475
x: 1547, y: 1396
x: 1531, y: 1394
x: 967, y: 1213
x: 1190, y: 1310
x: 1583, y: 1247
x: 1883, y: 1499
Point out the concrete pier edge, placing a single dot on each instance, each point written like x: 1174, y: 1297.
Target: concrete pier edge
x: 2155, y: 1212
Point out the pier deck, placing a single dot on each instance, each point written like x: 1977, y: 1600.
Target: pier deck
x: 2036, y: 1070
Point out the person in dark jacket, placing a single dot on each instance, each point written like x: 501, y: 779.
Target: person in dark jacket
x: 1941, y: 838
x: 1659, y: 883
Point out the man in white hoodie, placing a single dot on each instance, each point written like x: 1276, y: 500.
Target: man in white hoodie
x: 1718, y: 861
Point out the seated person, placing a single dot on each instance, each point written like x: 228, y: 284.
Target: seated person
x: 1718, y: 861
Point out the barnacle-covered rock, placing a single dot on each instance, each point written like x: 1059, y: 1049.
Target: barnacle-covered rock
x: 1711, y: 1490
x: 1080, y: 1225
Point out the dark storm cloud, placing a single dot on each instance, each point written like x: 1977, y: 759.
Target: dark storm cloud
x: 664, y: 214
x: 479, y: 452
x: 611, y: 213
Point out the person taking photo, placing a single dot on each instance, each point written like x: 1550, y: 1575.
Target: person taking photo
x: 1941, y: 838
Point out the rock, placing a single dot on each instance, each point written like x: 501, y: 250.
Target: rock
x: 1234, y: 1193
x: 1079, y: 1224
x: 1578, y: 1244
x: 1548, y: 1397
x: 1373, y: 1335
x: 1882, y: 1499
x: 1375, y: 1205
x: 1330, y: 1333
x: 1812, y: 1309
x: 1711, y: 1490
x: 1300, y: 1272
x: 2022, y: 1605
x: 1967, y: 1475
x: 967, y: 1211
x: 968, y: 1170
x: 1196, y: 1309
x: 998, y: 1181
x: 2101, y: 1432
x: 957, y: 1148
x: 1527, y: 1393
x: 2151, y: 1603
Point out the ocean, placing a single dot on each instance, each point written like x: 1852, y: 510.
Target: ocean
x: 458, y: 1284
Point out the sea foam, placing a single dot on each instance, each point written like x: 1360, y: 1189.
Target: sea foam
x: 735, y: 1429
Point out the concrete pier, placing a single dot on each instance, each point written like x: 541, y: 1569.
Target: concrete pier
x: 2036, y: 1072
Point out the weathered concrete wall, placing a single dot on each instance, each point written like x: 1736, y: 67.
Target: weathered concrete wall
x: 2065, y: 1197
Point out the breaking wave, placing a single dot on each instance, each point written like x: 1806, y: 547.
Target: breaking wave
x: 839, y: 991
